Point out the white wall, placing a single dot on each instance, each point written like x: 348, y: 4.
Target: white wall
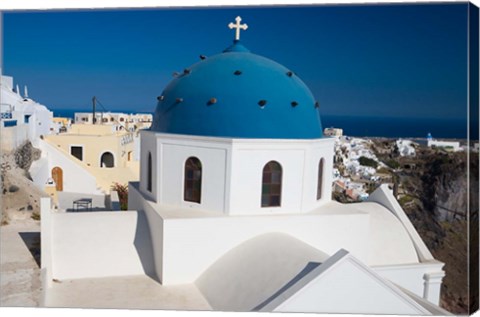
x: 232, y: 171
x: 299, y: 160
x: 100, y: 244
x: 137, y: 201
x: 347, y: 286
x: 179, y: 242
x: 213, y: 162
x: 412, y: 277
x: 148, y: 144
x: 12, y: 137
x: 204, y: 240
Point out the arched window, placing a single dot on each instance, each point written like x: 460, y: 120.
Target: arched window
x: 192, y: 190
x: 272, y: 184
x: 149, y: 172
x: 320, y: 179
x: 107, y: 160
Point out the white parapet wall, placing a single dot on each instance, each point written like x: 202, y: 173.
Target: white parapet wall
x: 97, y: 244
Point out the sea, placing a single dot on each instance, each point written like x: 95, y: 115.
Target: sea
x: 364, y: 126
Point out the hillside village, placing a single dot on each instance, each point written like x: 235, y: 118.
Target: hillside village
x: 428, y: 178
x: 362, y: 164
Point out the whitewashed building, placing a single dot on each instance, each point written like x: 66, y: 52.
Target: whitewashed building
x: 234, y: 203
x: 453, y: 146
x: 405, y: 147
x: 202, y: 167
x: 22, y: 118
x: 336, y: 132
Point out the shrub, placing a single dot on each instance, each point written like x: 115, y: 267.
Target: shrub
x: 365, y: 161
x: 122, y: 191
x: 392, y: 164
x: 405, y: 199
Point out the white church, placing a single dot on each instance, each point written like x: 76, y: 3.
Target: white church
x: 234, y: 202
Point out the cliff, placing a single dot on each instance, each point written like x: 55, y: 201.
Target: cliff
x: 20, y: 197
x: 437, y: 189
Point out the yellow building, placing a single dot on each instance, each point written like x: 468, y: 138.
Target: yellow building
x: 60, y: 124
x: 102, y: 149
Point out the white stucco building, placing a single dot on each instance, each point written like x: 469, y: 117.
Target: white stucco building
x: 333, y: 132
x: 234, y: 204
x: 22, y: 118
x: 406, y: 147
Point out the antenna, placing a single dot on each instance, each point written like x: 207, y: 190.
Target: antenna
x: 94, y: 101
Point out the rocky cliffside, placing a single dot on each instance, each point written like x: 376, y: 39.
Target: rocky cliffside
x: 445, y: 184
x: 20, y: 197
x: 439, y: 192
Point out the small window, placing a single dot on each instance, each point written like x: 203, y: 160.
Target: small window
x: 107, y: 160
x: 77, y: 151
x: 193, y: 180
x: 272, y: 185
x: 320, y: 179
x: 149, y: 172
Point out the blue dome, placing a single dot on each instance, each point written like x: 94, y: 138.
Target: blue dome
x: 238, y: 94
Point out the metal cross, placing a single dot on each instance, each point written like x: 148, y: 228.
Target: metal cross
x: 237, y: 26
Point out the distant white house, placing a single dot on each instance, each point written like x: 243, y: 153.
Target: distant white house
x: 453, y: 146
x: 405, y: 147
x: 447, y: 145
x: 333, y: 132
x: 21, y: 118
x: 130, y: 122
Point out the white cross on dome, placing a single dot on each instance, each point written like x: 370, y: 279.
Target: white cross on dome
x: 237, y: 26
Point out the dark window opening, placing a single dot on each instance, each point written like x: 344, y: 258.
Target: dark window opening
x: 193, y: 180
x: 77, y: 151
x: 320, y: 179
x: 272, y: 185
x: 149, y: 172
x: 107, y: 160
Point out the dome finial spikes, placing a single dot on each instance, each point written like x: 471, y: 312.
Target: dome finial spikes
x: 237, y: 26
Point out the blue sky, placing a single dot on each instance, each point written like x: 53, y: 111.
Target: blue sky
x: 375, y: 60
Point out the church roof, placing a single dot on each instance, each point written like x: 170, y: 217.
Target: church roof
x: 238, y: 94
x: 248, y: 275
